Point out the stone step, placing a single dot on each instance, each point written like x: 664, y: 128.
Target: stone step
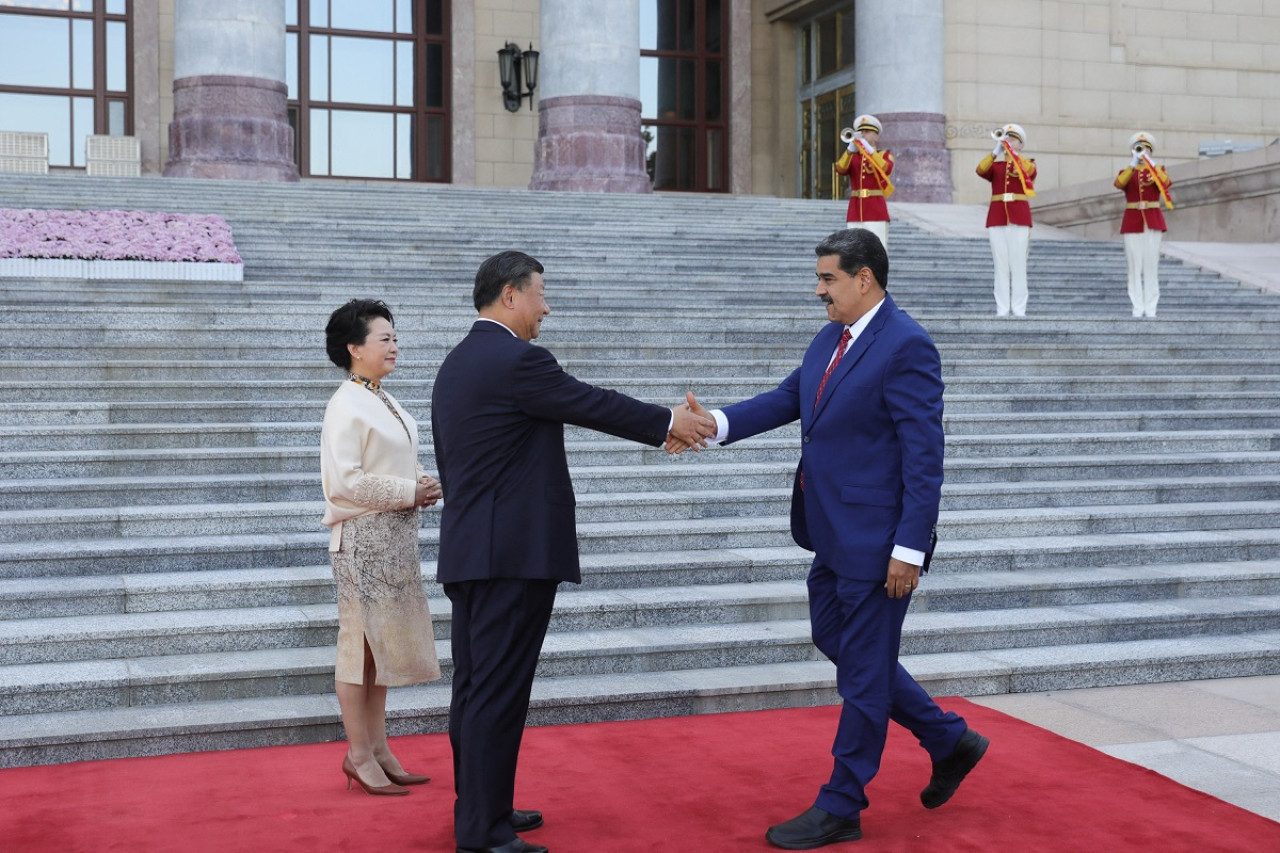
x: 979, y: 541
x: 161, y: 729
x: 62, y: 434
x: 602, y: 519
x: 271, y: 667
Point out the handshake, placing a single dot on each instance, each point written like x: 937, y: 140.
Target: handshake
x: 691, y: 426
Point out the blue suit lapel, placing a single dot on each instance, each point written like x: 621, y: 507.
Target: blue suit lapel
x: 851, y: 357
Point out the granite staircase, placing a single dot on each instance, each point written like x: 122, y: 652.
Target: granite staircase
x: 1111, y: 513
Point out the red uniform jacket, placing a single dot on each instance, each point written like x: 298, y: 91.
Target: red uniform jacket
x: 1142, y: 196
x: 1009, y: 205
x: 866, y: 196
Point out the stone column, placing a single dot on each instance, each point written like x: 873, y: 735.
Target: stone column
x: 229, y: 114
x: 899, y: 49
x: 589, y: 107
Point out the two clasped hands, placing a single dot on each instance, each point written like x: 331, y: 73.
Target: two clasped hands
x: 692, y: 426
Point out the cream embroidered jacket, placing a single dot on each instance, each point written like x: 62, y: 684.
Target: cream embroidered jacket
x: 367, y: 463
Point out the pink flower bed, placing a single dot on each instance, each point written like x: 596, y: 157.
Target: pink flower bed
x: 116, y: 235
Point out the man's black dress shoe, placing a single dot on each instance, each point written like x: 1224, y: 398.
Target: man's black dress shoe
x: 517, y: 846
x: 814, y: 828
x: 950, y: 771
x: 523, y: 821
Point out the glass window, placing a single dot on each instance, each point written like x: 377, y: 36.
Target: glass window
x: 49, y: 114
x: 363, y: 144
x: 319, y: 76
x: 376, y: 16
x: 435, y: 74
x: 404, y: 146
x: 713, y: 26
x: 35, y: 51
x: 670, y: 157
x: 116, y: 7
x: 319, y: 11
x: 846, y: 39
x: 806, y: 53
x: 82, y: 54
x: 435, y: 165
x: 404, y: 74
x: 115, y: 118
x: 715, y: 159
x: 828, y: 46
x: 363, y: 70
x: 378, y: 55
x: 714, y: 88
x: 291, y: 13
x: 291, y: 64
x: 435, y: 18
x: 319, y: 152
x: 117, y: 57
x: 81, y: 126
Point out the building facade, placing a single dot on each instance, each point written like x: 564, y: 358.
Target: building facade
x: 736, y: 96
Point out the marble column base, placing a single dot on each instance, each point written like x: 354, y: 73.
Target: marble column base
x: 922, y: 161
x: 590, y: 143
x: 230, y: 127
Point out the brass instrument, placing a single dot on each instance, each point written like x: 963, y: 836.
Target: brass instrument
x: 998, y: 133
x: 846, y: 135
x: 1140, y: 147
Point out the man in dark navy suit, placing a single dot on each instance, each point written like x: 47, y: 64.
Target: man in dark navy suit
x: 868, y: 396
x: 507, y: 531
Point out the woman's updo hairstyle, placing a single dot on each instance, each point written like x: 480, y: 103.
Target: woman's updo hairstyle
x: 350, y: 325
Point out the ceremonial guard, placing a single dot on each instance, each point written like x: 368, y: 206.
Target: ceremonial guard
x: 1009, y: 216
x: 1146, y: 187
x: 868, y: 171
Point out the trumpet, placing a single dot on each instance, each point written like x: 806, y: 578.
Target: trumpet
x: 998, y: 133
x: 1140, y: 148
x: 846, y: 135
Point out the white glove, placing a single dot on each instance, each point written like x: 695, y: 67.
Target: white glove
x: 1136, y: 161
x: 998, y: 151
x: 853, y: 147
x: 865, y: 145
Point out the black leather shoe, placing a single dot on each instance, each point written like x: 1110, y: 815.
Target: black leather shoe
x: 814, y: 828
x: 950, y: 771
x: 517, y: 846
x: 523, y: 821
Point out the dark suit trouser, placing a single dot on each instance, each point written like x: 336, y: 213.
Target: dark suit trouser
x: 859, y: 627
x: 497, y: 632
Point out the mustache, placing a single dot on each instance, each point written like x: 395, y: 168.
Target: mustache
x: 826, y: 300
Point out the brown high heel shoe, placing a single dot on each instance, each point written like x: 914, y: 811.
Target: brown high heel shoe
x: 406, y: 778
x: 384, y: 791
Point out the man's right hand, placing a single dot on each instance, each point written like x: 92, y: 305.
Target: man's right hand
x: 691, y: 426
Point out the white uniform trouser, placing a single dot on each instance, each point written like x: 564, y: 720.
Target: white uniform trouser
x: 1009, y: 246
x: 1142, y: 251
x: 880, y: 229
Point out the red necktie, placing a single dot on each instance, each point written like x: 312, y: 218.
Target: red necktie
x: 844, y: 342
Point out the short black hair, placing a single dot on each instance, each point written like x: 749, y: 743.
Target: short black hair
x: 509, y: 267
x: 857, y: 248
x: 349, y: 324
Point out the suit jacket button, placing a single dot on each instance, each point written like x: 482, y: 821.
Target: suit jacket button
x: 806, y: 439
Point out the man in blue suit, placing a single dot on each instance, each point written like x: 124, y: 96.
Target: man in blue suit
x: 507, y: 531
x: 868, y: 396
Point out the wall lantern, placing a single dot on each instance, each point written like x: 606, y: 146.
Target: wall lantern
x: 513, y: 64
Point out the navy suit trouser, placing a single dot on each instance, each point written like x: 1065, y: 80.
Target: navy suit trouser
x: 859, y: 627
x: 497, y: 631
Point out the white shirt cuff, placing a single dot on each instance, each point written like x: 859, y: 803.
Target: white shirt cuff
x: 722, y: 427
x: 908, y: 555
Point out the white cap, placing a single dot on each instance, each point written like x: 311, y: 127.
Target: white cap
x: 867, y: 122
x: 1016, y: 130
x: 1143, y: 136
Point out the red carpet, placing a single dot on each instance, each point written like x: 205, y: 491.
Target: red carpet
x: 681, y: 785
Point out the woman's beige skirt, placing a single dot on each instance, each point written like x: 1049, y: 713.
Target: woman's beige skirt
x: 380, y: 599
